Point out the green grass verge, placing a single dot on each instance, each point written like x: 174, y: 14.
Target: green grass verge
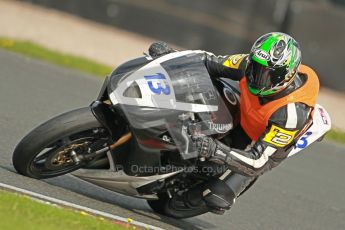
x: 336, y: 135
x: 21, y: 212
x: 36, y: 51
x: 85, y: 65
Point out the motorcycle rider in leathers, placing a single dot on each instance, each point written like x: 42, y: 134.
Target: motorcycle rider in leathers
x: 277, y: 98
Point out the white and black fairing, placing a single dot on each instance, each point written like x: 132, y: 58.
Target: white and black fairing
x: 161, y: 98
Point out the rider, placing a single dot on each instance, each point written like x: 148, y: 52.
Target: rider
x: 277, y: 100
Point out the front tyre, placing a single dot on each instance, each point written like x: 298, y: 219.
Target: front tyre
x: 50, y: 149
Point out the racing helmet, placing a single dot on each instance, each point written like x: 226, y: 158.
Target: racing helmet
x: 273, y: 63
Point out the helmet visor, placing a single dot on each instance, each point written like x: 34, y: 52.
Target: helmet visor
x: 262, y: 80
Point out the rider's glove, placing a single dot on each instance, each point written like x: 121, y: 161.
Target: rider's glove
x: 209, y: 149
x: 159, y: 48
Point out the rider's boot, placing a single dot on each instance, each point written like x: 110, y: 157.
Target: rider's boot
x: 214, y: 196
x: 217, y: 195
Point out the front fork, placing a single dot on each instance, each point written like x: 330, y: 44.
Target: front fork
x: 115, y: 125
x: 112, y: 121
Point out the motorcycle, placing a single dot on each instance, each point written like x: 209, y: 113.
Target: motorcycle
x: 137, y: 137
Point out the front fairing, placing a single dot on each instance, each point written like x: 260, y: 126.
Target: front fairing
x: 166, y: 94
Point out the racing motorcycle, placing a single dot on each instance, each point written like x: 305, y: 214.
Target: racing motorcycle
x: 137, y: 137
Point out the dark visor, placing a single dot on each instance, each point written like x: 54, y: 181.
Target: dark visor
x: 263, y: 78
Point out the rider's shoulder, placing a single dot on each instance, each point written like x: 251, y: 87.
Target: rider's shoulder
x: 235, y: 61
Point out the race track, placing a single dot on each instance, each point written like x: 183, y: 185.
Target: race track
x: 305, y: 192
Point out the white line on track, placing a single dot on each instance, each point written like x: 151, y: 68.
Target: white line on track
x: 76, y: 206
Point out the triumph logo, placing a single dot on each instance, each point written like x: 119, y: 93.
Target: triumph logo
x: 220, y: 128
x: 263, y: 55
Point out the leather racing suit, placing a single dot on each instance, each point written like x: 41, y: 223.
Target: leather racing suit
x: 277, y: 134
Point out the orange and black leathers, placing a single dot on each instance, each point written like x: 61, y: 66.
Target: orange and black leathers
x: 273, y: 123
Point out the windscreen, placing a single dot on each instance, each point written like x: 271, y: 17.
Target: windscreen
x: 191, y: 81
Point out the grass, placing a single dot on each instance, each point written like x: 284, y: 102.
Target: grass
x: 336, y: 135
x: 21, y: 212
x: 36, y: 51
x: 88, y: 66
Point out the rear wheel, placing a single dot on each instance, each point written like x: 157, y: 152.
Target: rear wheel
x: 52, y: 148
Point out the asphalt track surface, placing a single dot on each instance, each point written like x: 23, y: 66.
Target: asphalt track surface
x: 305, y: 192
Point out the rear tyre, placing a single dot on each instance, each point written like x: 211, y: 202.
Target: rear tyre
x: 46, y: 151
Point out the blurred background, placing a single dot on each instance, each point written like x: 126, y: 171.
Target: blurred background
x: 229, y: 26
x: 114, y: 31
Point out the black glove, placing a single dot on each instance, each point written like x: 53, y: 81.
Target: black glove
x: 205, y: 146
x: 158, y: 49
x: 211, y: 149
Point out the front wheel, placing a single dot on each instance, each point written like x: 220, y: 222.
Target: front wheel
x: 50, y: 149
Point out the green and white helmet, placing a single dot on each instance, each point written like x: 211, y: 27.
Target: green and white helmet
x: 273, y: 63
